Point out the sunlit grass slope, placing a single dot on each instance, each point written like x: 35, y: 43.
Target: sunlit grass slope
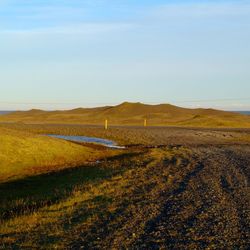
x: 25, y: 154
x: 134, y: 114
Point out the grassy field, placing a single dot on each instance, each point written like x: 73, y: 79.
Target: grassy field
x: 25, y: 154
x: 134, y: 114
x: 171, y: 188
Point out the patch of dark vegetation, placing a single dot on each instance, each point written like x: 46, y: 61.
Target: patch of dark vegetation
x: 44, y: 190
x: 29, y: 194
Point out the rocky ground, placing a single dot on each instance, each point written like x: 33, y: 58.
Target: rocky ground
x: 173, y: 192
x: 197, y: 200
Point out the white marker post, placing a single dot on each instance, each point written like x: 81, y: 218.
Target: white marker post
x: 145, y: 122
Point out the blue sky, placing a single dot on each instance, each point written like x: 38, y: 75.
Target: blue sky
x: 69, y: 53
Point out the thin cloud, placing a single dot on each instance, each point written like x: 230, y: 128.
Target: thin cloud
x: 77, y: 29
x: 201, y: 10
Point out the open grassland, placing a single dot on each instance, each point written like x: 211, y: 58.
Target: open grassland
x: 134, y: 114
x: 172, y: 188
x: 25, y: 154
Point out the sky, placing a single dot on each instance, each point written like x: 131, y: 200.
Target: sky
x: 62, y: 54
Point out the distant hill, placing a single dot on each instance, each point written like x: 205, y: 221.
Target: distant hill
x: 134, y: 114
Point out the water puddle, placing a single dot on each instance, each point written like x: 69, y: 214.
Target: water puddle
x: 100, y: 141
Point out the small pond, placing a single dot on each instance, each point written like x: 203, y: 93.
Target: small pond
x: 100, y: 141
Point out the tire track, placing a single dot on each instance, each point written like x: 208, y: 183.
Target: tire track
x: 206, y: 210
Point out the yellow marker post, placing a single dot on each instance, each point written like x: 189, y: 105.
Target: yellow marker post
x: 106, y: 124
x: 145, y: 122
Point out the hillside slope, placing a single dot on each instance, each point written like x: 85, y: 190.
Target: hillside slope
x: 24, y: 154
x: 134, y: 114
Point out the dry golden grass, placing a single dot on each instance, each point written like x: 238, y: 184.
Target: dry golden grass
x: 24, y: 154
x: 134, y: 114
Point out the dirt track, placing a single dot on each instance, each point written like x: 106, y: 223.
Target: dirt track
x: 198, y: 200
x: 178, y: 189
x: 209, y: 208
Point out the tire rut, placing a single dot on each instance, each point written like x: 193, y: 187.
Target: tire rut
x: 206, y: 210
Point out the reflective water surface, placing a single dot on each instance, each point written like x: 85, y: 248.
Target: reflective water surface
x: 100, y: 141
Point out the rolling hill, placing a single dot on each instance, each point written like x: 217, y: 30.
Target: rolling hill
x: 25, y: 154
x: 134, y: 114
